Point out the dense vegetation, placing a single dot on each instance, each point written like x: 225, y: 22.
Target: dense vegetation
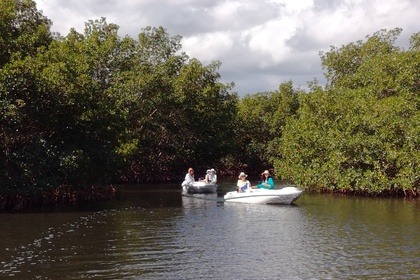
x: 94, y: 108
x: 362, y: 132
x: 91, y: 109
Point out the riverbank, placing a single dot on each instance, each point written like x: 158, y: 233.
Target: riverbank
x: 61, y: 196
x: 414, y: 193
x: 67, y: 196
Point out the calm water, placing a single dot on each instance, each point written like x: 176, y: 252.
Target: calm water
x: 155, y: 233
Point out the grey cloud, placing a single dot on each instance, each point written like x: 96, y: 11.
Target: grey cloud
x: 327, y: 4
x: 240, y: 64
x: 190, y: 21
x: 303, y: 41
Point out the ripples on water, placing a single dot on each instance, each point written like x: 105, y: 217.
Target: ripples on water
x: 159, y: 234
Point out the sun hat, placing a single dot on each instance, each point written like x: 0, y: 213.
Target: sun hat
x: 242, y: 174
x: 212, y: 170
x: 208, y: 171
x: 266, y: 172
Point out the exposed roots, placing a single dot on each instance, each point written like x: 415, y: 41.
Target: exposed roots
x: 413, y: 193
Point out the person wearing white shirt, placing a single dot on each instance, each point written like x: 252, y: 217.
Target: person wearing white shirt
x: 189, y: 177
x: 212, y: 178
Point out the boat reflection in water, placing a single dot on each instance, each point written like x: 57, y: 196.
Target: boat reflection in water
x: 199, y: 187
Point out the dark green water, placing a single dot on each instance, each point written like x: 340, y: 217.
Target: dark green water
x: 152, y: 232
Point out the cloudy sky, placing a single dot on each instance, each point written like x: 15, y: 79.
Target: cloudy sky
x: 261, y: 43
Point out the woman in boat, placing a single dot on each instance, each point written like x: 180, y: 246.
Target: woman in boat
x: 243, y: 184
x: 211, y: 176
x: 189, y: 177
x: 206, y: 177
x: 267, y: 181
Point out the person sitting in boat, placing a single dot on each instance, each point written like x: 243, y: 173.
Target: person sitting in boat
x: 267, y: 181
x: 189, y: 177
x: 211, y: 176
x: 243, y: 184
x: 205, y: 178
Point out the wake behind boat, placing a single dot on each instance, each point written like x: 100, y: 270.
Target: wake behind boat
x: 286, y: 195
x: 199, y: 187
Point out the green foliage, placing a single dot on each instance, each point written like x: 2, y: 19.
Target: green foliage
x: 91, y: 108
x: 415, y: 42
x: 60, y: 127
x: 342, y: 64
x: 362, y: 133
x: 23, y: 29
x: 260, y: 121
x: 178, y: 112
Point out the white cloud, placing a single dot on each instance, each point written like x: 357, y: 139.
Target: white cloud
x: 298, y: 5
x: 208, y: 47
x: 260, y: 43
x: 270, y: 39
x: 226, y: 10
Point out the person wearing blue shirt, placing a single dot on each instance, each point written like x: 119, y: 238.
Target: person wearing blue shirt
x: 243, y: 184
x: 267, y: 181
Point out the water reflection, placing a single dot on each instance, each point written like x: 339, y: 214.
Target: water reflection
x: 153, y: 232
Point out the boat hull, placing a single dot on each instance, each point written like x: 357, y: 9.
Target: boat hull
x: 199, y: 187
x: 286, y: 195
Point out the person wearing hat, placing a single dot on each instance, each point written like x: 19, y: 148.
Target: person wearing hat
x: 206, y: 177
x: 243, y: 184
x: 267, y: 181
x: 211, y: 176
